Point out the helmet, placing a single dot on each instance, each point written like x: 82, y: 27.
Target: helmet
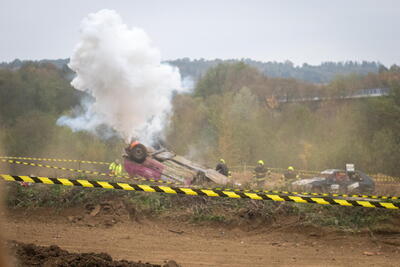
x: 260, y: 162
x: 290, y: 168
x: 222, y: 161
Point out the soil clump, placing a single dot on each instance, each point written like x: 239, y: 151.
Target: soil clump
x: 30, y: 255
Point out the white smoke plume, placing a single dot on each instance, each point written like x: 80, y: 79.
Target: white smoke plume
x: 122, y: 70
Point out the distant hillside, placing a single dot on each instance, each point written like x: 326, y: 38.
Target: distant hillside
x: 322, y: 73
x: 196, y: 68
x: 17, y: 63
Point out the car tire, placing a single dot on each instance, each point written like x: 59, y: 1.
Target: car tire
x: 138, y: 153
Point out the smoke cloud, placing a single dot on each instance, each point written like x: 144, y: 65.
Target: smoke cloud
x: 122, y: 70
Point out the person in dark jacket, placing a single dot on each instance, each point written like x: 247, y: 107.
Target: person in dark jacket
x: 290, y: 174
x: 222, y: 168
x: 260, y: 173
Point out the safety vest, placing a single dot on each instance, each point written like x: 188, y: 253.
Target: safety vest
x: 115, y: 168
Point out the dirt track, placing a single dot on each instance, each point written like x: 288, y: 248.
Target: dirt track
x: 193, y: 245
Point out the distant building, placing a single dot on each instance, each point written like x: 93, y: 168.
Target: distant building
x: 373, y: 92
x: 363, y: 93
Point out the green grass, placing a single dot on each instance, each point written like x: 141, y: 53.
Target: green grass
x: 198, y: 209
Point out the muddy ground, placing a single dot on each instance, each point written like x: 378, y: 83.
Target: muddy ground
x: 107, y: 233
x: 102, y: 229
x: 31, y: 255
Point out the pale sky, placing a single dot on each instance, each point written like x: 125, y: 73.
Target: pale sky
x: 302, y: 31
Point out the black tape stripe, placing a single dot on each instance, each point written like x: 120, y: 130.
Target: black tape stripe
x: 136, y: 187
x: 286, y: 198
x: 199, y: 192
x: 223, y: 194
x: 116, y: 185
x: 56, y: 181
x: 75, y: 182
x: 37, y: 180
x: 157, y: 189
x: 354, y: 203
x: 17, y: 178
x: 96, y: 184
x: 180, y: 191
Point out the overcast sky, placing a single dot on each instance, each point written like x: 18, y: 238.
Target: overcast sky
x: 310, y: 31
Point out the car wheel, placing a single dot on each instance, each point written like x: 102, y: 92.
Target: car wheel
x: 138, y: 153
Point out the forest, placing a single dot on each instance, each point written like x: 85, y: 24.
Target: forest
x: 227, y: 115
x: 194, y: 69
x: 323, y: 73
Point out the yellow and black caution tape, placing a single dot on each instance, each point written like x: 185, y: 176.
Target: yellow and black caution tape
x: 377, y: 177
x: 58, y: 160
x: 195, y: 186
x: 90, y: 172
x: 311, y: 193
x: 203, y: 192
x: 56, y: 167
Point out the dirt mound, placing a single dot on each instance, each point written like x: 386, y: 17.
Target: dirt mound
x: 28, y: 255
x: 104, y: 214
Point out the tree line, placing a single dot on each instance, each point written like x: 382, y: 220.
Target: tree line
x: 229, y: 114
x: 197, y: 68
x: 322, y: 73
x: 32, y: 98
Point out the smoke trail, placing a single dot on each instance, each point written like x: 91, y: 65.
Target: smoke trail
x: 123, y: 72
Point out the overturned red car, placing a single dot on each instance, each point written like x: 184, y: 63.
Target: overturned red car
x: 164, y: 165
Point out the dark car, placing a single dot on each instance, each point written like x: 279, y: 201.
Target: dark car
x: 337, y: 181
